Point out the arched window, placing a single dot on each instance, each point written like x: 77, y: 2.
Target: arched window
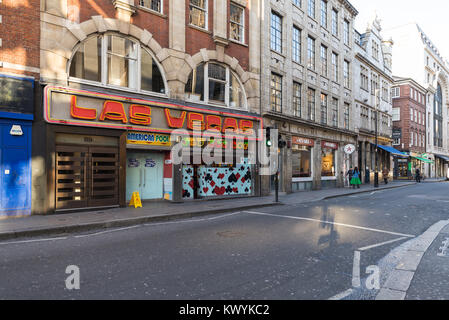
x: 113, y: 60
x: 215, y: 84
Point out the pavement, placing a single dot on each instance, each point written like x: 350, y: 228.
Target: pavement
x: 41, y: 225
x: 421, y: 273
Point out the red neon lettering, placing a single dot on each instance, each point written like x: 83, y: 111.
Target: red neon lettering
x: 213, y: 122
x: 140, y: 115
x: 113, y: 110
x: 230, y: 123
x: 246, y: 127
x: 195, y: 121
x: 174, y: 122
x: 81, y: 113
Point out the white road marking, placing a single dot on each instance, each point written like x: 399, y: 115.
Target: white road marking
x: 356, y: 270
x: 193, y: 220
x: 381, y: 244
x: 155, y: 224
x: 342, y: 295
x: 31, y: 241
x: 104, y: 232
x: 333, y: 223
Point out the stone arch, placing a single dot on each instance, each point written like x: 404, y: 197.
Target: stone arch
x: 442, y: 79
x: 205, y: 55
x: 59, y: 45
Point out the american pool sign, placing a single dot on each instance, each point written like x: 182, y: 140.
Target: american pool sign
x: 152, y: 139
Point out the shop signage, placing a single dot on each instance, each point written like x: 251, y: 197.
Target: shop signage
x: 329, y: 145
x: 397, y: 133
x: 349, y: 149
x: 16, y: 94
x: 16, y: 130
x: 303, y: 141
x: 86, y: 108
x: 213, y: 143
x: 152, y: 139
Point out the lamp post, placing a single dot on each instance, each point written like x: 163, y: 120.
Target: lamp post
x: 376, y: 173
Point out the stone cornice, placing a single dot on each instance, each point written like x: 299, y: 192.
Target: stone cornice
x: 349, y: 7
x: 296, y: 120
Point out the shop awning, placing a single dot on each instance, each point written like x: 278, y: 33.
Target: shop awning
x: 393, y: 151
x: 445, y: 158
x: 423, y: 159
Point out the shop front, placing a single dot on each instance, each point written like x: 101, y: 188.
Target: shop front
x: 441, y: 166
x: 329, y: 151
x: 16, y: 116
x: 302, y: 163
x: 108, y: 146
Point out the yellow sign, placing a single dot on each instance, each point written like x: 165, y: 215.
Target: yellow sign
x: 135, y: 200
x: 153, y: 139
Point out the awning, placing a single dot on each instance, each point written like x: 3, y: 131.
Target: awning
x: 445, y: 158
x: 393, y: 151
x: 423, y: 159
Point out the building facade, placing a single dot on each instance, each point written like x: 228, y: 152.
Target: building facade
x: 415, y: 56
x: 307, y: 90
x: 118, y: 77
x: 409, y: 126
x: 372, y: 85
x: 19, y: 75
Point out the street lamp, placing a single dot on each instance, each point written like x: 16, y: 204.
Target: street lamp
x: 376, y: 105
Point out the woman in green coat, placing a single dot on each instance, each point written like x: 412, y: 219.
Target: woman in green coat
x: 355, y: 181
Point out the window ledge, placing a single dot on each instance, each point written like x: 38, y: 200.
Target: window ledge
x: 152, y: 11
x: 295, y: 180
x: 111, y: 87
x: 329, y: 178
x: 218, y: 105
x: 238, y: 42
x: 199, y: 28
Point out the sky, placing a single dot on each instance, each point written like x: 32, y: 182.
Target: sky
x: 431, y: 16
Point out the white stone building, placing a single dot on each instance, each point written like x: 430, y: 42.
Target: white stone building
x: 372, y: 84
x: 307, y: 92
x: 416, y: 56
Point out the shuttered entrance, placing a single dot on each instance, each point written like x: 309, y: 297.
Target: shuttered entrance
x: 86, y: 177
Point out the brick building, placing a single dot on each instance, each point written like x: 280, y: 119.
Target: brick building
x: 415, y: 56
x: 19, y: 73
x: 118, y: 76
x: 409, y: 126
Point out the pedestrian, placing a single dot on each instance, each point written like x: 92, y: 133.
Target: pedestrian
x: 355, y: 181
x: 349, y: 175
x: 385, y: 174
x: 418, y: 175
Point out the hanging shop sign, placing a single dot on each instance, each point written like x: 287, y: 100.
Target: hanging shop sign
x: 329, y: 145
x: 303, y: 141
x: 85, y: 108
x: 349, y: 149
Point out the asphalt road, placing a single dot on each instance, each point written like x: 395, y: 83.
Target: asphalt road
x: 285, y: 252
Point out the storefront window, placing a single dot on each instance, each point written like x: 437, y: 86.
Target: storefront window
x: 301, y: 162
x: 328, y: 163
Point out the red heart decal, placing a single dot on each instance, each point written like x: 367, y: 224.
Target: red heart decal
x: 221, y: 176
x: 205, y: 190
x: 220, y: 191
